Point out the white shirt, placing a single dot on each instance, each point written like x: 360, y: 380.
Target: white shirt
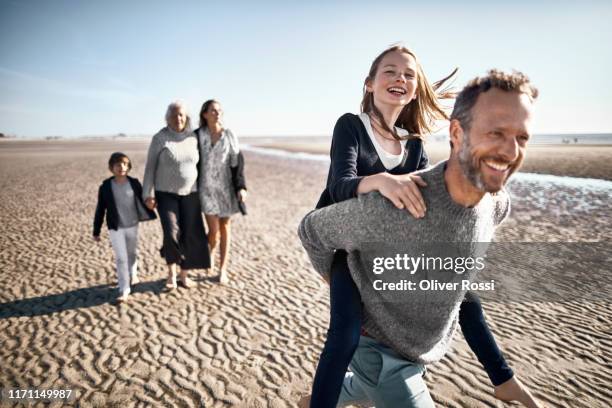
x: 388, y: 160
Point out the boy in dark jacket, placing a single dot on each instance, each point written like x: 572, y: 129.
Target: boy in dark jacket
x: 120, y: 198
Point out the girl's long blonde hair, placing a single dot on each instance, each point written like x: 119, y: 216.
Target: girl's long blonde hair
x: 420, y: 115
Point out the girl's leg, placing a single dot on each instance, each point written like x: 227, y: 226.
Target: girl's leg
x: 342, y: 336
x: 119, y: 244
x: 226, y: 236
x: 131, y: 239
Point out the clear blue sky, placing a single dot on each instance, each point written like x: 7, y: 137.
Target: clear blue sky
x: 282, y: 68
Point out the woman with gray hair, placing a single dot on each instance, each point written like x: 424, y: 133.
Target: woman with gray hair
x: 170, y: 184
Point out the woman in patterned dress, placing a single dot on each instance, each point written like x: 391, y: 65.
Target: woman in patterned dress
x: 219, y: 151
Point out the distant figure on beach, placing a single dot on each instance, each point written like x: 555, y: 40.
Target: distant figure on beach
x: 376, y: 151
x: 222, y: 184
x: 120, y: 200
x: 466, y: 201
x: 170, y: 185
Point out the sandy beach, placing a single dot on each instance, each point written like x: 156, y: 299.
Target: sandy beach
x: 256, y: 341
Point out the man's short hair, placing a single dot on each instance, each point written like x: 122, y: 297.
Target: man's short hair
x: 509, y: 82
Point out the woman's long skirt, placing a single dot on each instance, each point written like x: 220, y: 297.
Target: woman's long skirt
x: 185, y: 241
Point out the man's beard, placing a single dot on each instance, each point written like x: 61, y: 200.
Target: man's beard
x: 470, y: 171
x: 473, y: 171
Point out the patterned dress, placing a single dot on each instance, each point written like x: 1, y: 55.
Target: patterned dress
x: 217, y: 193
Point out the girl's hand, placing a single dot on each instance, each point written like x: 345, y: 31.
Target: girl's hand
x: 96, y: 238
x: 514, y: 390
x: 151, y: 203
x: 403, y: 191
x: 242, y: 195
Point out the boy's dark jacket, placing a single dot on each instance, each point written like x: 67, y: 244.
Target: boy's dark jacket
x: 106, y: 204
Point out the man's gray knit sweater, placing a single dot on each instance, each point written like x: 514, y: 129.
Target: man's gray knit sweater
x: 418, y: 324
x: 171, y: 163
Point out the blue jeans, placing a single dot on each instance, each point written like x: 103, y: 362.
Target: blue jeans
x: 383, y: 378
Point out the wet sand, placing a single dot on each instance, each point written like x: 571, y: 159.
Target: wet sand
x: 590, y: 161
x: 254, y: 342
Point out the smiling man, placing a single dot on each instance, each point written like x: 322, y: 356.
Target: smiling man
x: 466, y: 201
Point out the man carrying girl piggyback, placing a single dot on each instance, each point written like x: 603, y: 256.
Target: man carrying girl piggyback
x: 120, y: 199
